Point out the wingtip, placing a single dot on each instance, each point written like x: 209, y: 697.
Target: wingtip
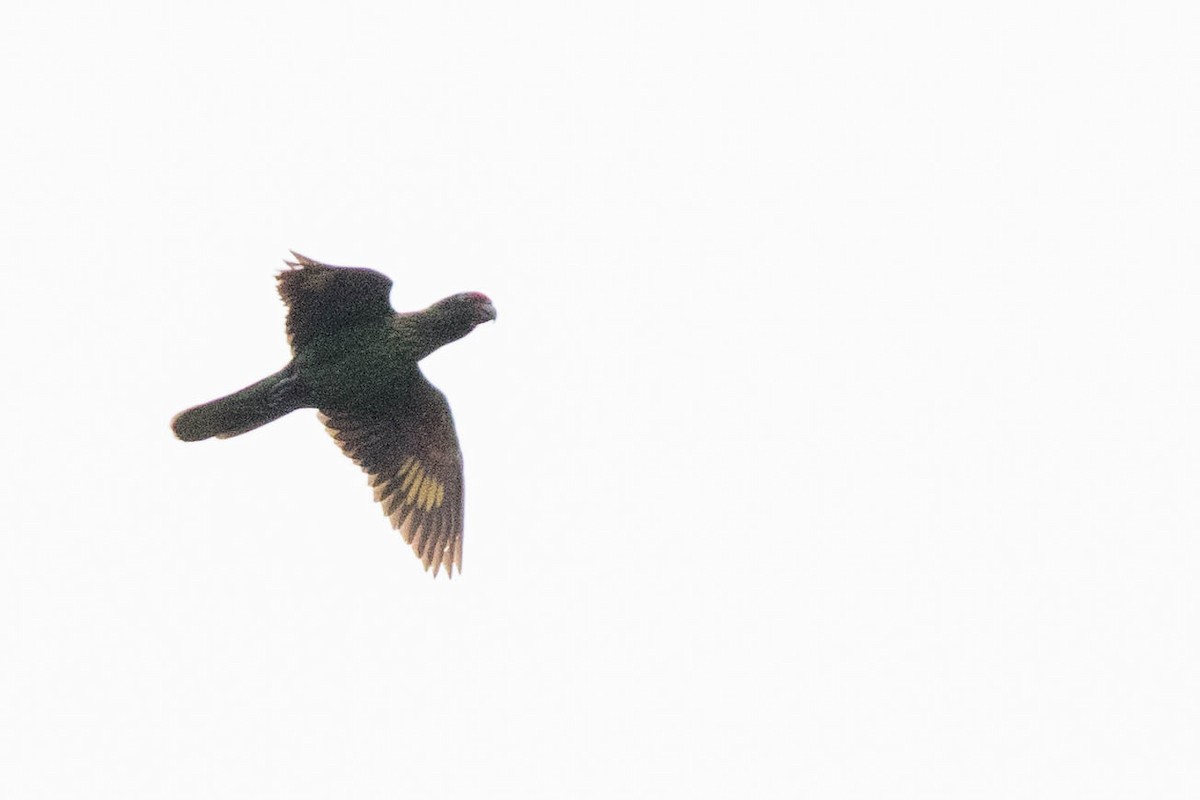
x: 448, y: 560
x: 303, y: 260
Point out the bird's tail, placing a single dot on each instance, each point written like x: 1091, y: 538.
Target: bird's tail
x: 242, y: 411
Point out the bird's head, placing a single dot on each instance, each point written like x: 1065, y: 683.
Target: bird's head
x: 454, y: 317
x: 475, y: 305
x: 465, y: 308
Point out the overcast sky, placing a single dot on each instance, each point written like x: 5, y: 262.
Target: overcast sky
x: 837, y: 437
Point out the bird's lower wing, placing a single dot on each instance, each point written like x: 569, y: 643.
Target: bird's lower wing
x: 412, y: 456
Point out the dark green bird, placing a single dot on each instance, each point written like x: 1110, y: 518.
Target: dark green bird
x: 355, y: 360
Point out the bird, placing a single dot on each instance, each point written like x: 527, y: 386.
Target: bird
x: 354, y: 359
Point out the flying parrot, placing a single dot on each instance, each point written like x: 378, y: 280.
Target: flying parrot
x: 354, y: 359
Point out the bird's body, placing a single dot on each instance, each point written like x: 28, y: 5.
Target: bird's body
x: 358, y: 367
x: 355, y: 360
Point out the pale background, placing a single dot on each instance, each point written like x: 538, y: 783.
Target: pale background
x: 837, y: 437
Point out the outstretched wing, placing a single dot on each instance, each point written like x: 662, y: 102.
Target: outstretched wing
x: 412, y: 456
x: 322, y: 298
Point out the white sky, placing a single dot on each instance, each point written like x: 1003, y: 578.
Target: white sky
x: 837, y: 437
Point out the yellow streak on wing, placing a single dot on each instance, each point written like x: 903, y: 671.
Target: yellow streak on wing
x: 441, y: 495
x: 434, y: 496
x: 414, y: 474
x: 408, y: 462
x: 413, y: 490
x: 423, y: 494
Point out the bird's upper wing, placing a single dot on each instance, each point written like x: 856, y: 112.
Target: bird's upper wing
x: 322, y: 298
x: 412, y: 456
